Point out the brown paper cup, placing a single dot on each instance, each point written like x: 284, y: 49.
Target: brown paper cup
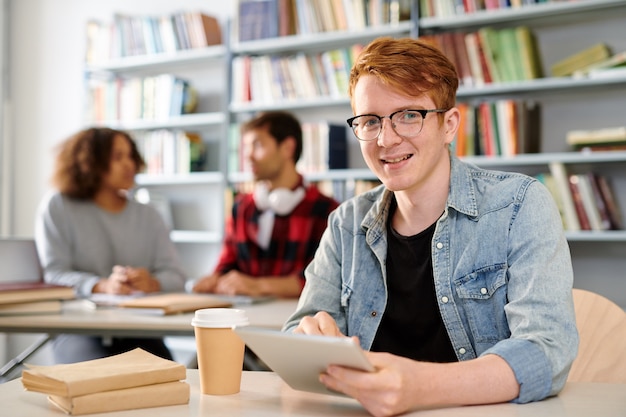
x: 220, y: 351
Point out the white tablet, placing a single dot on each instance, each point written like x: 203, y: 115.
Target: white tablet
x: 299, y: 359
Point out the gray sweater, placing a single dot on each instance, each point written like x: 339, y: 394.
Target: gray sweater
x: 79, y: 243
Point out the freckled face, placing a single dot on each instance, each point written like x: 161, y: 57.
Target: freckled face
x: 403, y: 164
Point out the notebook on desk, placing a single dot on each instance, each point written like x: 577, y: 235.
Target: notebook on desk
x: 160, y: 304
x: 299, y: 359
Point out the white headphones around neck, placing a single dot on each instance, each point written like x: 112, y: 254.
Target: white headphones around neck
x: 281, y: 201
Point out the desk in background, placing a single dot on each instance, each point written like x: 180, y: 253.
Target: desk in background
x: 264, y: 394
x: 116, y: 322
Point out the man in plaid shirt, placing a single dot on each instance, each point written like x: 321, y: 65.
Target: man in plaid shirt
x: 272, y: 233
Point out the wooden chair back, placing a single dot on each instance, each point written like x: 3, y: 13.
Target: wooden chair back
x: 602, y: 328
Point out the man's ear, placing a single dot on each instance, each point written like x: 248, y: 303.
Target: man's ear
x: 452, y: 122
x: 288, y: 147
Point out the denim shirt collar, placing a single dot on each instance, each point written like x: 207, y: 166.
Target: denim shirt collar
x: 462, y: 193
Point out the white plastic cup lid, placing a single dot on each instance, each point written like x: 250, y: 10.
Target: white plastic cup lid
x: 220, y: 318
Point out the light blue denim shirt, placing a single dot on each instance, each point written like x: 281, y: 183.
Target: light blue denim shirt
x: 502, y: 270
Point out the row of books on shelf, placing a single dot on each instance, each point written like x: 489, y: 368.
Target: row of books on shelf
x: 157, y: 97
x: 261, y: 19
x: 324, y: 147
x: 448, y: 8
x: 585, y: 200
x: 491, y: 55
x: 169, y: 152
x: 32, y: 297
x: 504, y: 127
x: 273, y: 78
x: 131, y: 35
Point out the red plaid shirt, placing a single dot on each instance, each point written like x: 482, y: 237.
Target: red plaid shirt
x: 295, y: 237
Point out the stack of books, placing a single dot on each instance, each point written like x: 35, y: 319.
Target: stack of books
x: 128, y: 381
x: 32, y: 297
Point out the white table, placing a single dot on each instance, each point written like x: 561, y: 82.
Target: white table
x: 265, y: 394
x: 118, y: 322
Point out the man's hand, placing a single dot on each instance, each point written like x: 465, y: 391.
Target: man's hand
x: 206, y: 284
x: 230, y: 283
x: 400, y: 384
x: 235, y: 282
x: 320, y: 324
x: 390, y: 390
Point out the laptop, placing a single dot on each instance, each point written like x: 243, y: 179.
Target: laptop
x: 299, y: 359
x: 19, y: 260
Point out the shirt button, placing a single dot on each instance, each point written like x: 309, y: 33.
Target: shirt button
x: 462, y: 351
x: 444, y: 299
x: 483, y: 291
x: 373, y: 314
x: 439, y: 245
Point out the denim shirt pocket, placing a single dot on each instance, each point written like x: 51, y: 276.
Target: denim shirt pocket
x: 482, y: 296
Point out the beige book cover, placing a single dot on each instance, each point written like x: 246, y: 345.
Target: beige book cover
x: 156, y: 395
x: 176, y: 302
x: 130, y: 369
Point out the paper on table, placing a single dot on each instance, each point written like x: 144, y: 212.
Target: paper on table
x: 156, y: 395
x: 130, y: 369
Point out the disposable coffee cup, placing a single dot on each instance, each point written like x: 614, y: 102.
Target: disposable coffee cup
x: 219, y: 349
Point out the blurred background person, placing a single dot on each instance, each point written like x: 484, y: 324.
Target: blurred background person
x: 273, y: 232
x: 92, y: 237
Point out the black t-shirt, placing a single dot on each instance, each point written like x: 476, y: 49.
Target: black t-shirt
x: 411, y: 325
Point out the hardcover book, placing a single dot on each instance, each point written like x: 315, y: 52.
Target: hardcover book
x: 31, y: 307
x: 155, y: 395
x: 17, y: 292
x: 589, y: 56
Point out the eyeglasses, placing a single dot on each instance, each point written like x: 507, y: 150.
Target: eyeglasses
x: 406, y: 123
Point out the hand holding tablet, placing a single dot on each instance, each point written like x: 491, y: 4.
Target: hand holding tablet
x: 299, y: 359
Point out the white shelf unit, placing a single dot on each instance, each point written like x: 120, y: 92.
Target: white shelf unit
x: 196, y: 199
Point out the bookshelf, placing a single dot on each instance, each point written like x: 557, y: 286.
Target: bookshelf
x: 327, y: 107
x: 567, y: 103
x: 194, y: 196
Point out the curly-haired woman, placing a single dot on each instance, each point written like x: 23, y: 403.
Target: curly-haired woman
x: 92, y: 237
